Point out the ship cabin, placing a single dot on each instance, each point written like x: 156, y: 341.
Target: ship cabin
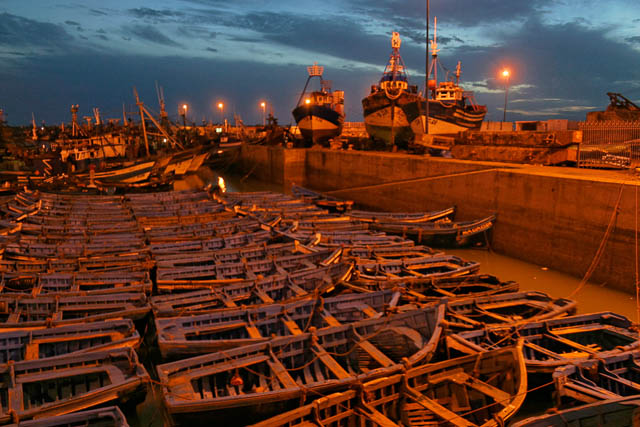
x: 449, y: 92
x: 320, y: 98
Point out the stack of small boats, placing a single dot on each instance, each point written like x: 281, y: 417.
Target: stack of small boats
x: 243, y: 306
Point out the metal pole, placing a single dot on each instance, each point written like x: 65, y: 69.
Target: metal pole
x: 506, y: 93
x: 426, y: 79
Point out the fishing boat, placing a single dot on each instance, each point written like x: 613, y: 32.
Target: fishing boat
x: 110, y: 416
x: 450, y: 108
x: 442, y: 234
x: 469, y: 391
x: 229, y: 328
x: 392, y: 110
x: 60, y: 385
x: 320, y: 113
x: 609, y: 377
x: 446, y: 214
x: 239, y: 382
x: 321, y: 200
x: 614, y: 412
x: 514, y: 308
x: 552, y: 343
x: 374, y: 273
x: 37, y: 344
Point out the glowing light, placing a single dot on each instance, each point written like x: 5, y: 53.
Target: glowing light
x: 307, y: 101
x: 221, y: 105
x: 505, y: 73
x: 262, y: 104
x: 222, y: 185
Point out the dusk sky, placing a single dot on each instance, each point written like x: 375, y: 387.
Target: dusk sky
x: 564, y: 55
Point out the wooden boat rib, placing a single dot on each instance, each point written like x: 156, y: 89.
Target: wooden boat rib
x: 516, y: 308
x: 467, y: 391
x: 61, y: 385
x: 228, y: 328
x: 32, y: 344
x: 289, y: 367
x: 550, y: 344
x: 110, y: 416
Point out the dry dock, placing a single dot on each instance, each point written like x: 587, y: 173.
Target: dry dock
x: 578, y: 221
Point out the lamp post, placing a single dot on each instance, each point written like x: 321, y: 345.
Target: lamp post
x: 185, y: 107
x: 505, y: 74
x: 263, y: 105
x: 221, y: 108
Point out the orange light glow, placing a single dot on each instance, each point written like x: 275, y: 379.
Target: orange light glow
x: 262, y: 104
x: 505, y: 73
x: 307, y: 101
x: 221, y: 105
x: 185, y: 107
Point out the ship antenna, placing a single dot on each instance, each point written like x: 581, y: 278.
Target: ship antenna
x: 426, y: 78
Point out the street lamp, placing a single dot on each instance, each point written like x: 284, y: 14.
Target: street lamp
x: 264, y: 108
x: 505, y: 74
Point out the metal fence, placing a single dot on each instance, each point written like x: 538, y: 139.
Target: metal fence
x: 610, y: 143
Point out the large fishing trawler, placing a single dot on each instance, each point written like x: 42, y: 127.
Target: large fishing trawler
x: 319, y: 114
x: 393, y: 108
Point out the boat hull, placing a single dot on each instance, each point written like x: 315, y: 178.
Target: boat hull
x: 394, y: 121
x: 453, y: 118
x: 318, y: 123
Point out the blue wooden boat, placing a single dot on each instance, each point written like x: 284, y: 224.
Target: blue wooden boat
x: 549, y: 344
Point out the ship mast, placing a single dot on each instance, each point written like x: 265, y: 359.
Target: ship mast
x: 426, y: 78
x: 314, y: 71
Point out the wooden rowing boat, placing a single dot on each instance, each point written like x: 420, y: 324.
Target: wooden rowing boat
x: 549, y: 344
x: 446, y: 234
x: 607, y: 377
x: 60, y: 385
x: 479, y: 390
x: 511, y: 308
x: 446, y: 214
x: 624, y: 412
x: 110, y: 416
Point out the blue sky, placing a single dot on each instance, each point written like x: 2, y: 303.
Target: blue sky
x: 564, y: 55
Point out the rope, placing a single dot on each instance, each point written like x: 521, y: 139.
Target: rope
x: 408, y: 181
x: 600, y: 251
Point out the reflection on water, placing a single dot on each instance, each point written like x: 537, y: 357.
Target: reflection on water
x: 591, y: 298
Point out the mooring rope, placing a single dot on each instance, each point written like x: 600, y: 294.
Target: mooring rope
x: 409, y: 181
x: 600, y: 251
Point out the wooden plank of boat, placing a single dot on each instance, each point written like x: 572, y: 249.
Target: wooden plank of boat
x: 110, y: 416
x: 623, y: 412
x: 550, y: 344
x: 61, y: 385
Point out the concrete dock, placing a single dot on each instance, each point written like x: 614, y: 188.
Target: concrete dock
x: 578, y: 221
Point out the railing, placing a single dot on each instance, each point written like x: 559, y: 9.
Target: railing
x: 610, y: 143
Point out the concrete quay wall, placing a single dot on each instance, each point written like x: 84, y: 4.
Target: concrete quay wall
x: 553, y: 217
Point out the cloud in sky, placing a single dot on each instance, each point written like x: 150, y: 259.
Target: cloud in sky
x: 250, y: 50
